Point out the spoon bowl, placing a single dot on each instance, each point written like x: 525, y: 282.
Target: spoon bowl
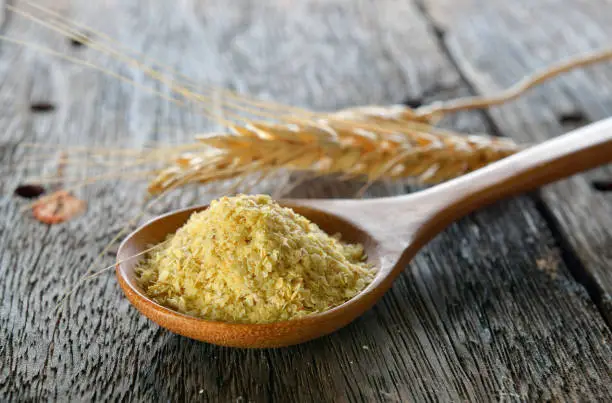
x: 274, y: 334
x: 391, y: 229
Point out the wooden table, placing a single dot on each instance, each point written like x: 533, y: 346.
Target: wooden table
x: 511, y: 303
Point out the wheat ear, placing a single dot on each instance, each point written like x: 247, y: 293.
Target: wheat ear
x: 328, y: 148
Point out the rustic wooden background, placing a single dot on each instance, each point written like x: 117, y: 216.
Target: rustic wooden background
x: 511, y: 303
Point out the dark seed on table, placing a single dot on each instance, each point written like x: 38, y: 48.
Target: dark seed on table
x: 29, y: 191
x: 603, y: 186
x: 413, y: 102
x: 42, y: 106
x: 78, y: 42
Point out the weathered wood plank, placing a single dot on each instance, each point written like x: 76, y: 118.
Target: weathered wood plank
x: 497, y: 43
x: 474, y: 318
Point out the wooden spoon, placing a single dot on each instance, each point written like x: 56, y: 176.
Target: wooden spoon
x: 392, y: 230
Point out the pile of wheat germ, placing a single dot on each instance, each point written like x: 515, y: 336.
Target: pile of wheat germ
x: 246, y: 259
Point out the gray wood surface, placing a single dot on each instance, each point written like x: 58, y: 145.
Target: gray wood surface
x: 489, y: 311
x: 495, y: 44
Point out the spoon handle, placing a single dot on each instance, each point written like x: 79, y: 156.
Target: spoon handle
x: 555, y: 159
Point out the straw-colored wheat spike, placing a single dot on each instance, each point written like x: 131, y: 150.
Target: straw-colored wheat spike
x: 326, y: 148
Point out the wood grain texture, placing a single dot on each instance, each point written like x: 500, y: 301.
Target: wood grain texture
x: 473, y: 318
x: 495, y: 44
